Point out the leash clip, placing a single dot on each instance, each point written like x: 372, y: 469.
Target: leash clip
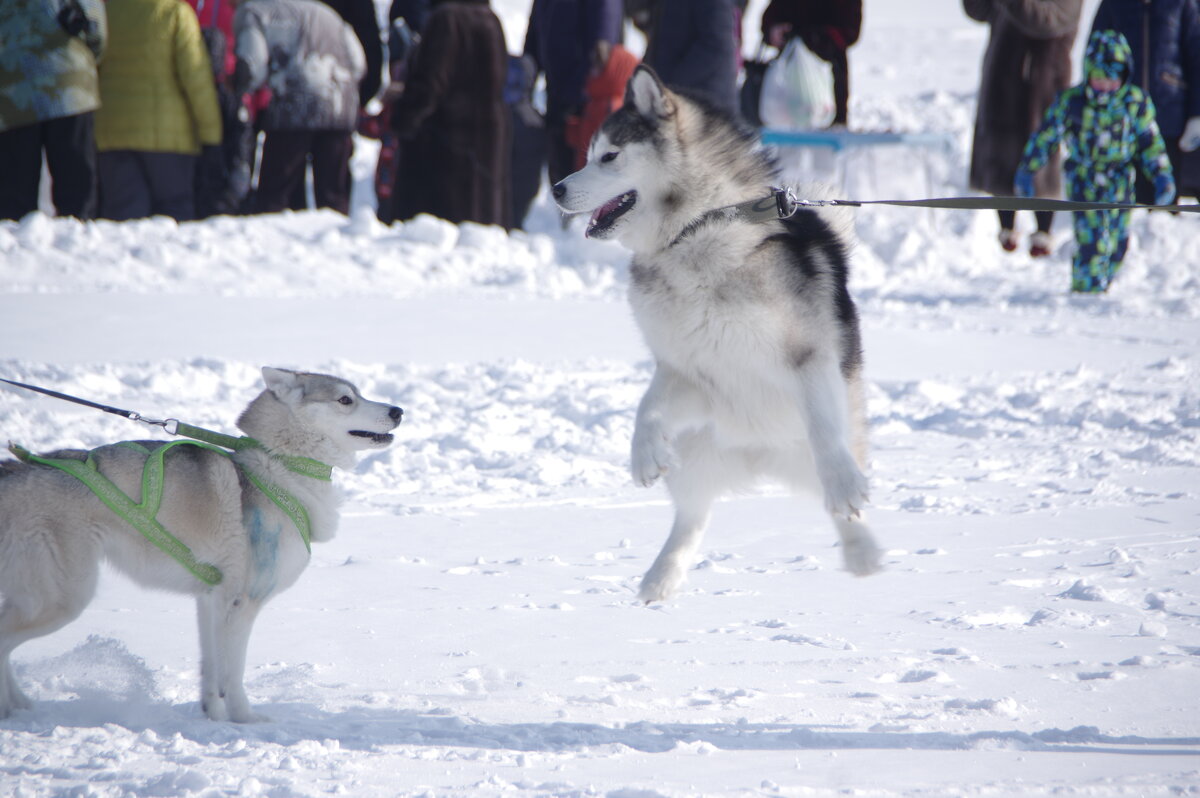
x: 786, y: 203
x: 171, y: 425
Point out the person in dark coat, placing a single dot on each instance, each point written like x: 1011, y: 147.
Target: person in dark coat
x: 1026, y: 64
x: 694, y: 48
x: 828, y: 28
x: 1165, y: 38
x: 455, y: 129
x: 567, y: 40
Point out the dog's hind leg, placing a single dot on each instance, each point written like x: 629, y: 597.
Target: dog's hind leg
x: 694, y: 485
x: 225, y: 625
x: 829, y: 427
x: 34, y: 608
x: 860, y: 553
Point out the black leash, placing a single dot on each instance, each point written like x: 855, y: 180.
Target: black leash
x: 1004, y: 204
x: 129, y: 414
x: 782, y: 203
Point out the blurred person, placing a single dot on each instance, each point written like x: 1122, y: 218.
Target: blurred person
x: 1164, y: 37
x: 605, y: 92
x: 694, y: 47
x: 454, y: 127
x: 48, y: 94
x: 402, y: 39
x: 223, y: 174
x: 1026, y: 65
x: 360, y: 15
x: 312, y: 62
x: 158, y: 109
x: 528, y: 138
x: 568, y: 40
x: 1107, y: 125
x: 216, y: 24
x: 828, y: 28
x: 413, y: 12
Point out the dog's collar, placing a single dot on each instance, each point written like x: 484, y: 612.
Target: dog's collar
x: 779, y: 204
x: 305, y: 466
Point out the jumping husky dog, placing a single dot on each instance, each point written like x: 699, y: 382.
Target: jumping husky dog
x: 755, y: 338
x: 54, y: 531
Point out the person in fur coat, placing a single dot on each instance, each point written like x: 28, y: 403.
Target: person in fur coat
x: 455, y: 130
x: 1026, y: 65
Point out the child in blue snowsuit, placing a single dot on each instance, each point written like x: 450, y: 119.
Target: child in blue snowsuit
x: 1107, y: 124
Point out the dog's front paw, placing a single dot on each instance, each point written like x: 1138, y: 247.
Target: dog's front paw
x: 661, y: 583
x: 845, y: 488
x: 247, y: 716
x: 651, y: 455
x: 861, y: 556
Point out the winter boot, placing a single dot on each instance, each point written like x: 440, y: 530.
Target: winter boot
x: 1008, y: 240
x: 1039, y: 244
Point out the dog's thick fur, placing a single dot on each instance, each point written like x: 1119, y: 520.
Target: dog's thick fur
x: 753, y: 331
x: 54, y: 532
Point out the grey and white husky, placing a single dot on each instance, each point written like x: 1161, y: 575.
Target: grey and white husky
x: 54, y: 531
x: 755, y: 338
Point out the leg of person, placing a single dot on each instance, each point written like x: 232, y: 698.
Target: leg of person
x: 1089, y: 266
x: 21, y: 165
x: 1008, y: 236
x: 284, y: 155
x: 71, y: 159
x: 331, y: 151
x: 124, y: 190
x: 1118, y: 243
x: 560, y: 156
x: 171, y: 176
x: 841, y: 87
x: 1040, y: 242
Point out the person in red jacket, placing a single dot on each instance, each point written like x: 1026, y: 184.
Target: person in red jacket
x: 827, y: 27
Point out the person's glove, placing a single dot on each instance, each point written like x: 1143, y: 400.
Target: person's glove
x: 1190, y: 140
x: 1164, y: 190
x: 1023, y: 183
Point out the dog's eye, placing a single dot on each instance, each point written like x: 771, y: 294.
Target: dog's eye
x: 346, y: 400
x: 609, y: 157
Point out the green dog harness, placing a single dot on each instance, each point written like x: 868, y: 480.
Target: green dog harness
x: 142, y: 515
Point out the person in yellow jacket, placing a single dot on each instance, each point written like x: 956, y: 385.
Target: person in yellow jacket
x: 158, y: 108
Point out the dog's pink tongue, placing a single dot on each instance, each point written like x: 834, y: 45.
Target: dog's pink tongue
x: 603, y: 211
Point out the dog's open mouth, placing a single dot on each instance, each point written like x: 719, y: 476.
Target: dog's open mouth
x: 607, y: 214
x: 380, y: 438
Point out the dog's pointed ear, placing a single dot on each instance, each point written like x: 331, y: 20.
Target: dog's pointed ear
x: 282, y: 382
x: 646, y: 94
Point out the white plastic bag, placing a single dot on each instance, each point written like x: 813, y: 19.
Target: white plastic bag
x: 797, y: 91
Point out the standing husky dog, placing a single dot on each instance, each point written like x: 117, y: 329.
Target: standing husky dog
x: 54, y: 531
x: 754, y: 334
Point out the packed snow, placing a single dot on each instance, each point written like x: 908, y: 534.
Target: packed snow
x: 474, y: 629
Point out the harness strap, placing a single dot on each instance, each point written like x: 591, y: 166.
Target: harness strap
x: 137, y: 515
x: 305, y: 466
x: 143, y: 515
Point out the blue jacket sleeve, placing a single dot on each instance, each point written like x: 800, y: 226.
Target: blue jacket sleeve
x: 1047, y: 137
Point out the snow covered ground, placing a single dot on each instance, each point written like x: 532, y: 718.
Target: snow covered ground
x: 473, y: 628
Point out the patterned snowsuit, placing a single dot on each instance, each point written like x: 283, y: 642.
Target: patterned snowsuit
x: 1106, y: 135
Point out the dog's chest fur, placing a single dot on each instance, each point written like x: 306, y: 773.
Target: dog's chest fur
x: 720, y: 312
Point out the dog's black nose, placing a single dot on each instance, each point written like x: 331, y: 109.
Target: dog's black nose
x: 395, y: 414
x: 558, y: 191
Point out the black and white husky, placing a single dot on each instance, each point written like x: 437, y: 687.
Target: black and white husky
x: 54, y: 531
x: 756, y: 342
